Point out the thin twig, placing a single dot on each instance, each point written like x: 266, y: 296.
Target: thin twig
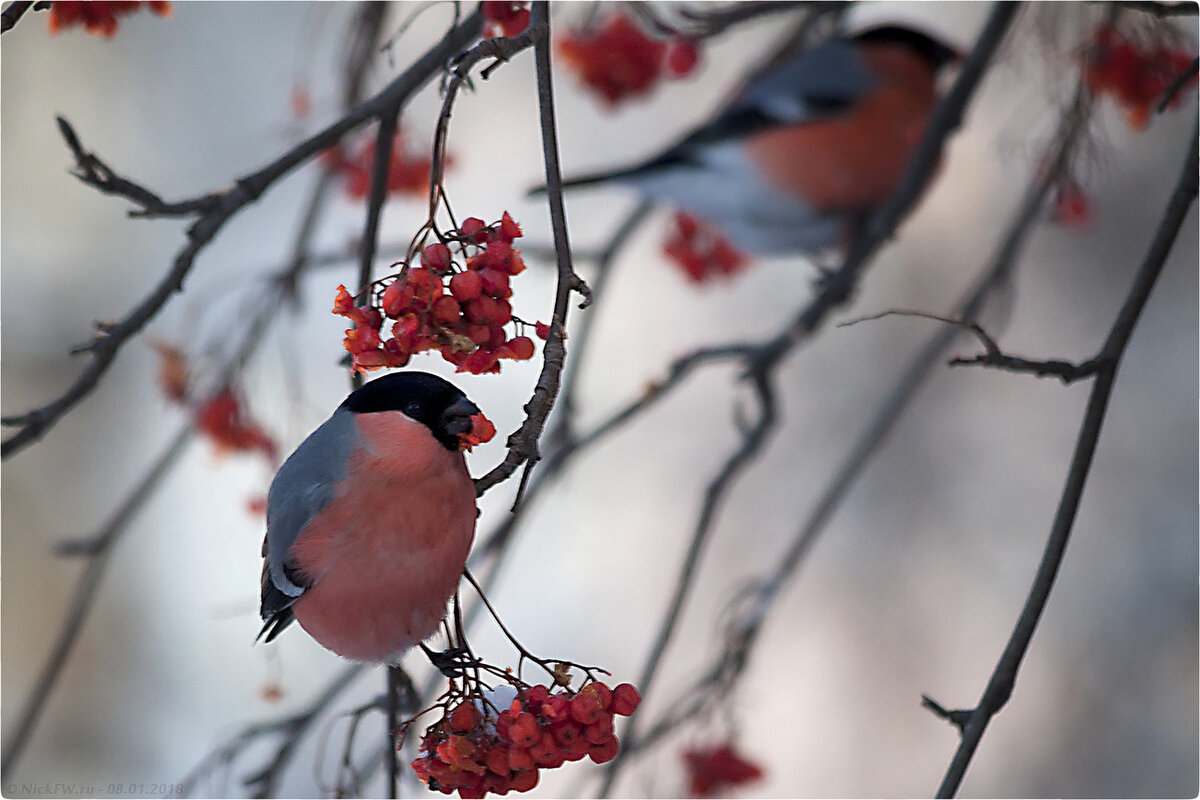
x: 1000, y: 684
x: 993, y: 356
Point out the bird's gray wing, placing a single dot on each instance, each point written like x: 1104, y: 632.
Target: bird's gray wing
x: 305, y: 484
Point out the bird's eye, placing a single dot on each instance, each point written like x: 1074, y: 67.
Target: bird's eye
x: 414, y: 409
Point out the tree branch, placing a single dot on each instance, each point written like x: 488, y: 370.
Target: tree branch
x: 523, y: 444
x: 1000, y: 684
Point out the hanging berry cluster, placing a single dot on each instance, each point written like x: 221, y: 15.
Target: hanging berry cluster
x: 619, y: 61
x: 98, y: 17
x: 407, y: 175
x: 477, y: 748
x: 1137, y: 77
x: 460, y: 310
x: 505, y: 17
x: 713, y: 771
x: 700, y: 250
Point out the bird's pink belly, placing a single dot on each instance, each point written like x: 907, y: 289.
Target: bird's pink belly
x: 386, y: 555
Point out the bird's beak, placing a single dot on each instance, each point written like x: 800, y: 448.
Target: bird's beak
x: 456, y: 419
x: 464, y: 420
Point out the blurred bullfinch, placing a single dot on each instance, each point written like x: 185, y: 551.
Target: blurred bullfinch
x: 807, y: 149
x: 370, y: 520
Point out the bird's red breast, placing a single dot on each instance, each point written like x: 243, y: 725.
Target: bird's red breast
x: 854, y: 160
x: 386, y: 554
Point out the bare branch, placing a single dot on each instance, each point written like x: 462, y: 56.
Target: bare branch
x: 1000, y: 684
x: 992, y: 355
x: 14, y: 11
x: 523, y: 444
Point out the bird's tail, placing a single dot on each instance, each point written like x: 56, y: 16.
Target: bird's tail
x: 592, y: 179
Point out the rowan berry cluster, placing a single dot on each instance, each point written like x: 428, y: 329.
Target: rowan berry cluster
x: 700, y: 250
x: 459, y: 309
x: 1136, y: 76
x: 98, y: 17
x: 477, y: 748
x: 712, y: 771
x: 620, y: 61
x: 505, y: 17
x: 408, y: 173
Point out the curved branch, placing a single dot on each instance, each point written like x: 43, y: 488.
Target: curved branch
x: 523, y: 444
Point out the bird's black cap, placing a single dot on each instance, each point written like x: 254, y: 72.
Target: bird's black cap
x: 436, y: 403
x: 938, y: 54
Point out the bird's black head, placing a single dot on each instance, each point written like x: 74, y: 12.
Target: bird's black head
x: 936, y: 53
x: 435, y: 403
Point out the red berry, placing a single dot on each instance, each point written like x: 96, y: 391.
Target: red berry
x: 498, y: 255
x: 525, y: 780
x: 522, y: 348
x: 576, y: 750
x: 604, y: 752
x: 466, y: 286
x: 556, y: 708
x: 599, y: 731
x: 509, y: 229
x: 547, y: 753
x: 495, y: 282
x: 567, y: 733
x: 472, y: 228
x: 682, y: 57
x: 503, y: 313
x: 625, y: 700
x: 524, y: 730
x: 436, y: 257
x: 542, y: 330
x: 479, y: 334
x: 585, y: 708
x: 446, y: 310
x: 602, y: 692
x: 520, y: 759
x: 497, y: 760
x: 463, y: 718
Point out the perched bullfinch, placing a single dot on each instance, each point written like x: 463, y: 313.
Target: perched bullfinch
x: 370, y: 520
x: 808, y: 148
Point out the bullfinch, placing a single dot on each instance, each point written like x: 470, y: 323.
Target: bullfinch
x: 807, y: 149
x: 370, y: 520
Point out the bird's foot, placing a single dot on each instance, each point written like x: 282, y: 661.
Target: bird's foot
x: 452, y: 662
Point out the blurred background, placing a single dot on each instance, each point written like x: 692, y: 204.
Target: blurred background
x: 913, y: 587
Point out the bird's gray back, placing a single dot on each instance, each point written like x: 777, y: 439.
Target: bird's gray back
x: 306, y: 483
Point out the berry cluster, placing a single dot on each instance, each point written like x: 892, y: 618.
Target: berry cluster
x: 475, y: 750
x: 700, y: 250
x: 98, y: 17
x: 505, y: 17
x: 620, y: 61
x: 713, y: 770
x: 223, y: 420
x: 1137, y: 77
x: 408, y: 174
x: 460, y: 311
